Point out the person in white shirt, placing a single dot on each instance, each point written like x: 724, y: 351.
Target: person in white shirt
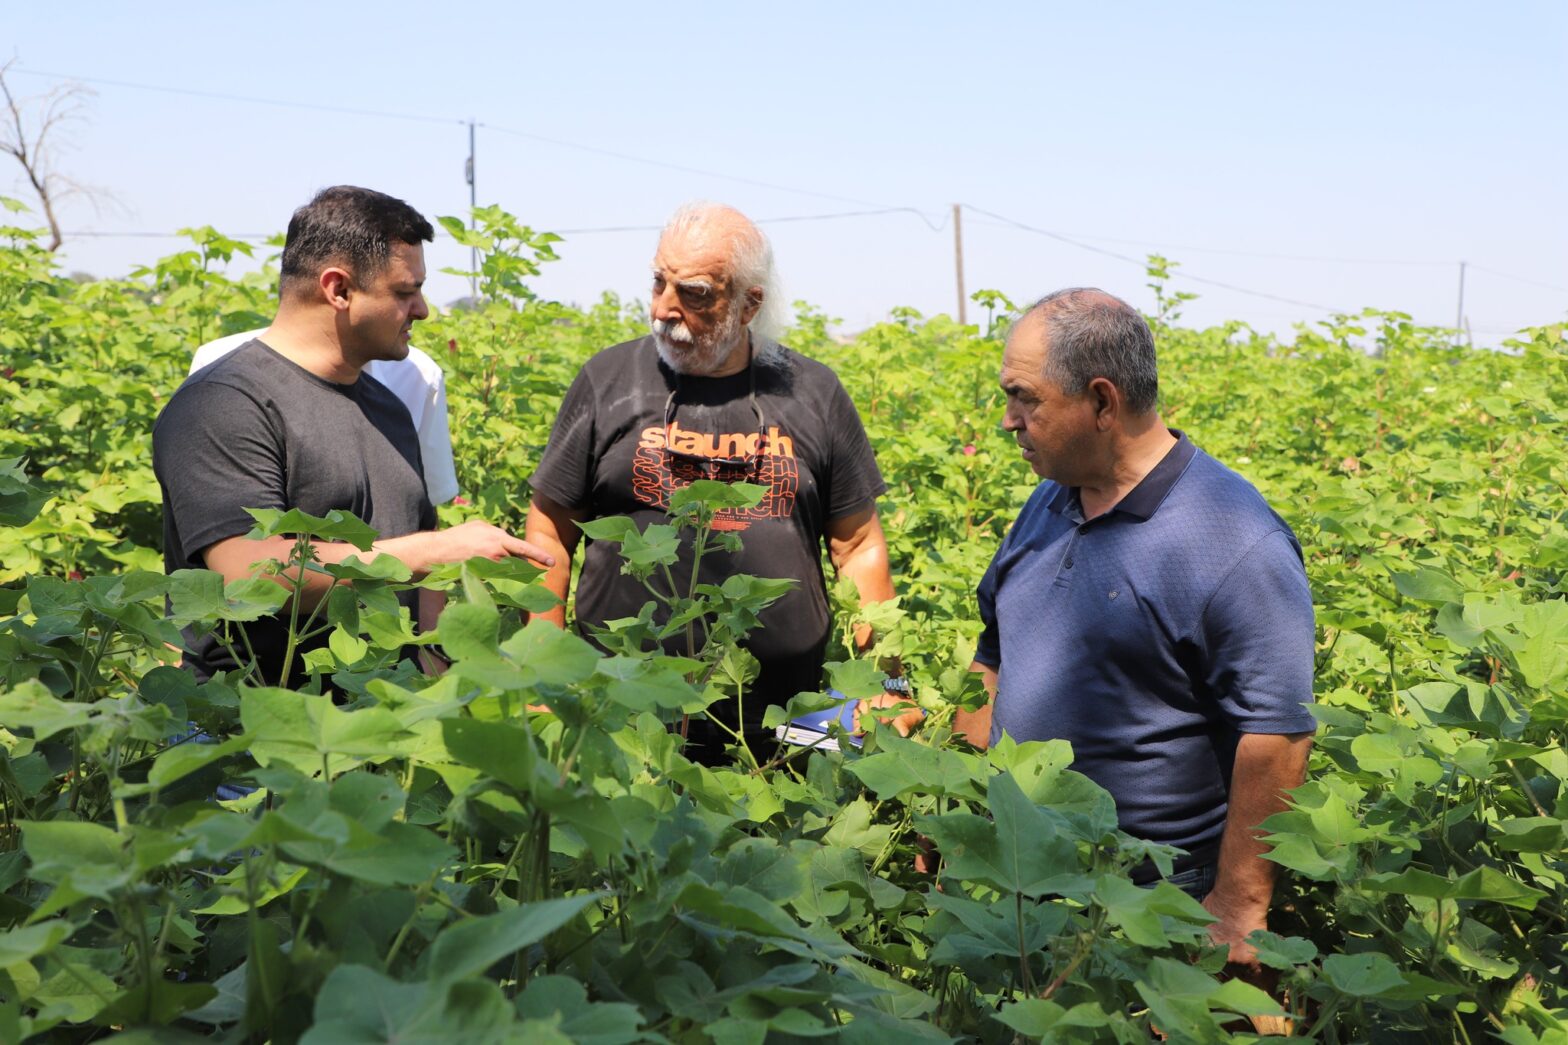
x: 417, y: 380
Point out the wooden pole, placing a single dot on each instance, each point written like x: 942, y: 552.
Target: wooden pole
x: 958, y: 261
x: 1459, y: 319
x: 473, y: 201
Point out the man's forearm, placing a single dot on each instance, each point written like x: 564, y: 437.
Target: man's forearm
x: 975, y: 726
x: 867, y: 566
x: 554, y: 529
x: 557, y: 580
x: 1266, y: 766
x: 238, y: 558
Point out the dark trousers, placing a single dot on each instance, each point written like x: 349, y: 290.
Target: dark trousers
x: 1196, y: 882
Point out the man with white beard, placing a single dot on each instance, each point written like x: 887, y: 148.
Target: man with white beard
x: 710, y: 395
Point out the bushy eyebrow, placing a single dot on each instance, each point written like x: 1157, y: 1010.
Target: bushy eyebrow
x: 690, y: 284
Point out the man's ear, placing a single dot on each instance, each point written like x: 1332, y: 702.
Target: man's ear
x: 1107, y: 399
x: 336, y: 284
x: 753, y: 304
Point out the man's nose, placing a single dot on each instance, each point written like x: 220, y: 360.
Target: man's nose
x: 421, y: 308
x: 666, y: 303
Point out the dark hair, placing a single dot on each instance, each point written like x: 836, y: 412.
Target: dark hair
x: 352, y: 227
x: 1090, y: 334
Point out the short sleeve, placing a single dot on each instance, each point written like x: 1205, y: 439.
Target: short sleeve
x: 216, y: 453
x: 988, y: 650
x: 1258, y: 634
x: 435, y: 444
x: 855, y: 481
x: 213, y: 351
x: 565, y: 472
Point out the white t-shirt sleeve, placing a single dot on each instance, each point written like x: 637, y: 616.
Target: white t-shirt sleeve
x: 419, y: 382
x: 213, y: 351
x: 435, y: 445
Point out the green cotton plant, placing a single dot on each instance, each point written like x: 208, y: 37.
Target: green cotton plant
x: 518, y: 849
x: 441, y: 855
x: 707, y: 621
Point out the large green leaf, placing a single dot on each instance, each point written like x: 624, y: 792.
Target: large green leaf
x: 20, y: 499
x: 201, y: 595
x: 1483, y: 883
x: 580, y: 1020
x: 502, y: 750
x: 305, y: 731
x: 1426, y: 584
x: 472, y: 946
x: 336, y: 525
x: 1022, y: 849
x: 902, y: 767
x: 361, y: 1006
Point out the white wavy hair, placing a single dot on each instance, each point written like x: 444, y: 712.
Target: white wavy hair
x: 751, y: 260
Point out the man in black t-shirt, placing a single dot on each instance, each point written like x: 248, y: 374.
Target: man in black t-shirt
x: 708, y: 395
x: 292, y: 422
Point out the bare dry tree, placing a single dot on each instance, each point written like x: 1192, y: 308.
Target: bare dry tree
x: 29, y: 132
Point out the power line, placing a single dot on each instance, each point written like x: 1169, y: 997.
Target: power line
x: 1521, y: 279
x: 442, y: 233
x: 755, y: 221
x: 514, y: 132
x: 1143, y: 263
x: 251, y: 99
x: 107, y: 234
x: 630, y: 158
x: 1249, y: 253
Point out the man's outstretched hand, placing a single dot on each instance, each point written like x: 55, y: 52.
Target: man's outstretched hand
x: 475, y: 538
x: 479, y: 538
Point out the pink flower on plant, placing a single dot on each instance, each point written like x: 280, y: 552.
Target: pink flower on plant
x: 461, y: 501
x: 969, y: 449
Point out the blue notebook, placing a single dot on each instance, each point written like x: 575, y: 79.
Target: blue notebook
x: 812, y: 730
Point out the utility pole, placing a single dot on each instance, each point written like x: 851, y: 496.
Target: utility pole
x: 1459, y: 320
x: 473, y: 201
x: 958, y: 261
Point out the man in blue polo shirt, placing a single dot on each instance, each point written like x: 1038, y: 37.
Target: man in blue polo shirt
x: 1148, y: 606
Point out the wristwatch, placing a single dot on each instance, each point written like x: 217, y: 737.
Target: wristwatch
x: 899, y: 687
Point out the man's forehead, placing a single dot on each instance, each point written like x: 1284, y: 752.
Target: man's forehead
x: 685, y: 255
x: 405, y: 261
x: 1024, y: 349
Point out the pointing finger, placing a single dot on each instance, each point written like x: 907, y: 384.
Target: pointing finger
x: 525, y: 550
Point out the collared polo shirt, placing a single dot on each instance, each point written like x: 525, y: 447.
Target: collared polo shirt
x: 1151, y: 637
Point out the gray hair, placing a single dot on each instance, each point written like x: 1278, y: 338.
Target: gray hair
x: 751, y: 261
x: 1090, y: 334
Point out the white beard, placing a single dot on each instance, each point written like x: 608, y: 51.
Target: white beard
x: 685, y: 354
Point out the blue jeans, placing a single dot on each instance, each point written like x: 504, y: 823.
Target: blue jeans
x: 1196, y: 882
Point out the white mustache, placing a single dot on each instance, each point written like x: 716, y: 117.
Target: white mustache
x: 679, y: 333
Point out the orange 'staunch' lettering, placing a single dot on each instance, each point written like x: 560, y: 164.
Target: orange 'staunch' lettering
x: 729, y: 444
x: 780, y: 445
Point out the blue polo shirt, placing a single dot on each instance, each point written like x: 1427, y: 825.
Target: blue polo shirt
x: 1151, y: 637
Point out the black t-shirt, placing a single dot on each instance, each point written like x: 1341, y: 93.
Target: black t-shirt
x: 612, y: 453
x: 256, y: 430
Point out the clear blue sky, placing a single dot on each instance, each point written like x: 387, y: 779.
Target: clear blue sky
x: 1421, y: 133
